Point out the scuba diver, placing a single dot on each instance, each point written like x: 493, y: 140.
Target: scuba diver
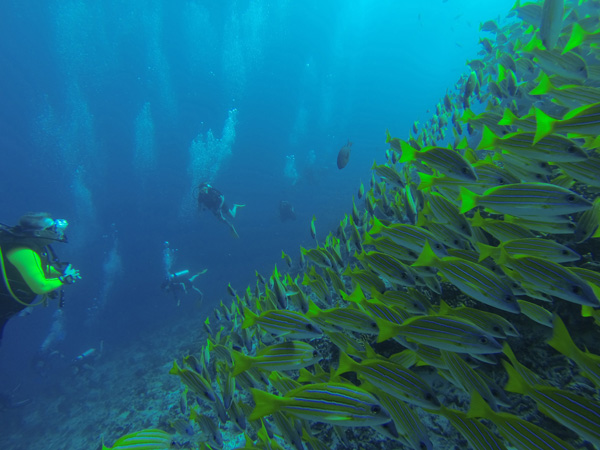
x: 211, y: 199
x: 85, y: 360
x: 29, y: 267
x: 286, y: 211
x: 178, y: 283
x: 47, y: 356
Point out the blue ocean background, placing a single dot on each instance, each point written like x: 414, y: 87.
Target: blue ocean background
x: 112, y: 111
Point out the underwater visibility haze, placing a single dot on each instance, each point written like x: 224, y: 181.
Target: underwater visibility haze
x: 304, y: 225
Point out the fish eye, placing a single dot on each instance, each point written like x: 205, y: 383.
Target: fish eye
x: 496, y: 329
x: 575, y: 289
x: 570, y: 198
x: 565, y: 252
x: 309, y: 327
x: 315, y: 354
x: 428, y: 396
x: 374, y: 325
x: 571, y: 149
x: 422, y: 446
x: 464, y: 170
x: 501, y: 180
x: 483, y: 340
x: 508, y: 298
x: 375, y: 409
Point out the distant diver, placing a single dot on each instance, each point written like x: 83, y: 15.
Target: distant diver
x: 29, y: 266
x: 180, y: 283
x: 84, y: 360
x: 344, y: 155
x: 210, y: 198
x: 286, y: 211
x: 47, y: 355
x: 8, y: 401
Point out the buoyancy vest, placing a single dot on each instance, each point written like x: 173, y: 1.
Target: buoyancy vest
x: 15, y: 294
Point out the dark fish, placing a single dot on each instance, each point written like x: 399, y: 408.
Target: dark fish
x: 344, y: 155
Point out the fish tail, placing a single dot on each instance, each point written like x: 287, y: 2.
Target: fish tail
x: 427, y: 258
x: 561, y: 339
x: 501, y: 73
x: 368, y: 239
x: 544, y: 125
x: 488, y: 139
x: 241, y: 362
x: 502, y: 258
x: 356, y: 296
x: 265, y: 402
x: 313, y: 309
x: 516, y: 383
x: 376, y: 226
x: 427, y: 181
x: 578, y: 35
x: 249, y: 318
x: 468, y: 200
x: 478, y: 406
x: 587, y: 311
x: 387, y: 330
x: 345, y: 364
x: 444, y: 308
x: 467, y: 115
x: 175, y: 370
x: 508, y: 117
x: 408, y: 152
x: 477, y: 220
x: 544, y: 85
x: 486, y: 251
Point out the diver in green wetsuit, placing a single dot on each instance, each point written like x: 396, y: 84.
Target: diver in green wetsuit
x: 28, y: 266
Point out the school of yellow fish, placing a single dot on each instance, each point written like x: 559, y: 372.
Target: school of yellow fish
x: 479, y: 230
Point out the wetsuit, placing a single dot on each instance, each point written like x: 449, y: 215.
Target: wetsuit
x: 212, y: 199
x: 26, y: 272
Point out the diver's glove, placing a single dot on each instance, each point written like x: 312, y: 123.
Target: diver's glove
x: 69, y: 275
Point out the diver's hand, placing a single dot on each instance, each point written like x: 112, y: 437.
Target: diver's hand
x: 70, y: 275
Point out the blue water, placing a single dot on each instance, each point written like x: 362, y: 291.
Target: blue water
x: 100, y: 103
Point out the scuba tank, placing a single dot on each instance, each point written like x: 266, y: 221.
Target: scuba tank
x: 88, y: 354
x: 85, y: 355
x: 179, y: 274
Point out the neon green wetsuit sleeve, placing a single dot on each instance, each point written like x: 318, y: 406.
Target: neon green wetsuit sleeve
x: 28, y: 263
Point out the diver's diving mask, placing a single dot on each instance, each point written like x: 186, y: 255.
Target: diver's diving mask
x: 59, y: 227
